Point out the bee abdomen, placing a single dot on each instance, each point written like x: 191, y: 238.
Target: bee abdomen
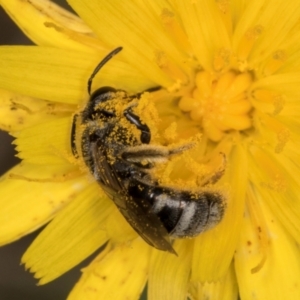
x: 183, y: 213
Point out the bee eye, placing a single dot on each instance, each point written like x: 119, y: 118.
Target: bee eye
x: 103, y: 94
x: 99, y: 96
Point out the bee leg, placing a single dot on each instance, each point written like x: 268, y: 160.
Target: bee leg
x: 73, y: 137
x: 151, y: 154
x: 135, y: 120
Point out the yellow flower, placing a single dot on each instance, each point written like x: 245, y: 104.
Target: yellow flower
x: 229, y: 78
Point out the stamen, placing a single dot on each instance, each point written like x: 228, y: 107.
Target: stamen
x: 175, y: 30
x: 240, y: 84
x: 170, y: 68
x: 277, y: 180
x: 268, y: 101
x: 212, y: 131
x: 219, y: 104
x: 223, y: 84
x: 222, y: 59
x: 279, y: 102
x: 188, y: 103
x: 215, y: 170
x: 204, y: 82
x: 225, y: 13
x: 275, y: 62
x: 170, y: 134
x: 282, y: 133
x: 247, y: 42
x: 237, y: 122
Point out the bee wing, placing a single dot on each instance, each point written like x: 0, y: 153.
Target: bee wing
x: 147, y: 224
x: 106, y: 176
x: 137, y: 213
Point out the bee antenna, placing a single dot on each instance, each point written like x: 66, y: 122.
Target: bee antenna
x: 101, y: 64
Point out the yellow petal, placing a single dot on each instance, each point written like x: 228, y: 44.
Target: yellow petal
x: 18, y: 112
x: 283, y: 83
x: 277, y: 182
x: 75, y: 233
x: 279, y: 276
x: 32, y: 203
x: 209, y: 262
x: 292, y: 61
x: 62, y: 75
x: 259, y: 35
x: 205, y: 29
x: 113, y: 20
x: 276, y: 34
x: 224, y: 289
x: 119, y: 273
x: 118, y: 229
x: 247, y: 29
x: 46, y: 143
x: 47, y: 24
x: 169, y: 274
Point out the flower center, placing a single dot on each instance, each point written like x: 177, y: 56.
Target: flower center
x: 219, y: 104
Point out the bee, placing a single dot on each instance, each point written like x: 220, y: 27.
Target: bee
x: 120, y: 162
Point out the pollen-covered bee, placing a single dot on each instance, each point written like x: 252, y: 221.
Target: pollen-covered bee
x: 120, y: 162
